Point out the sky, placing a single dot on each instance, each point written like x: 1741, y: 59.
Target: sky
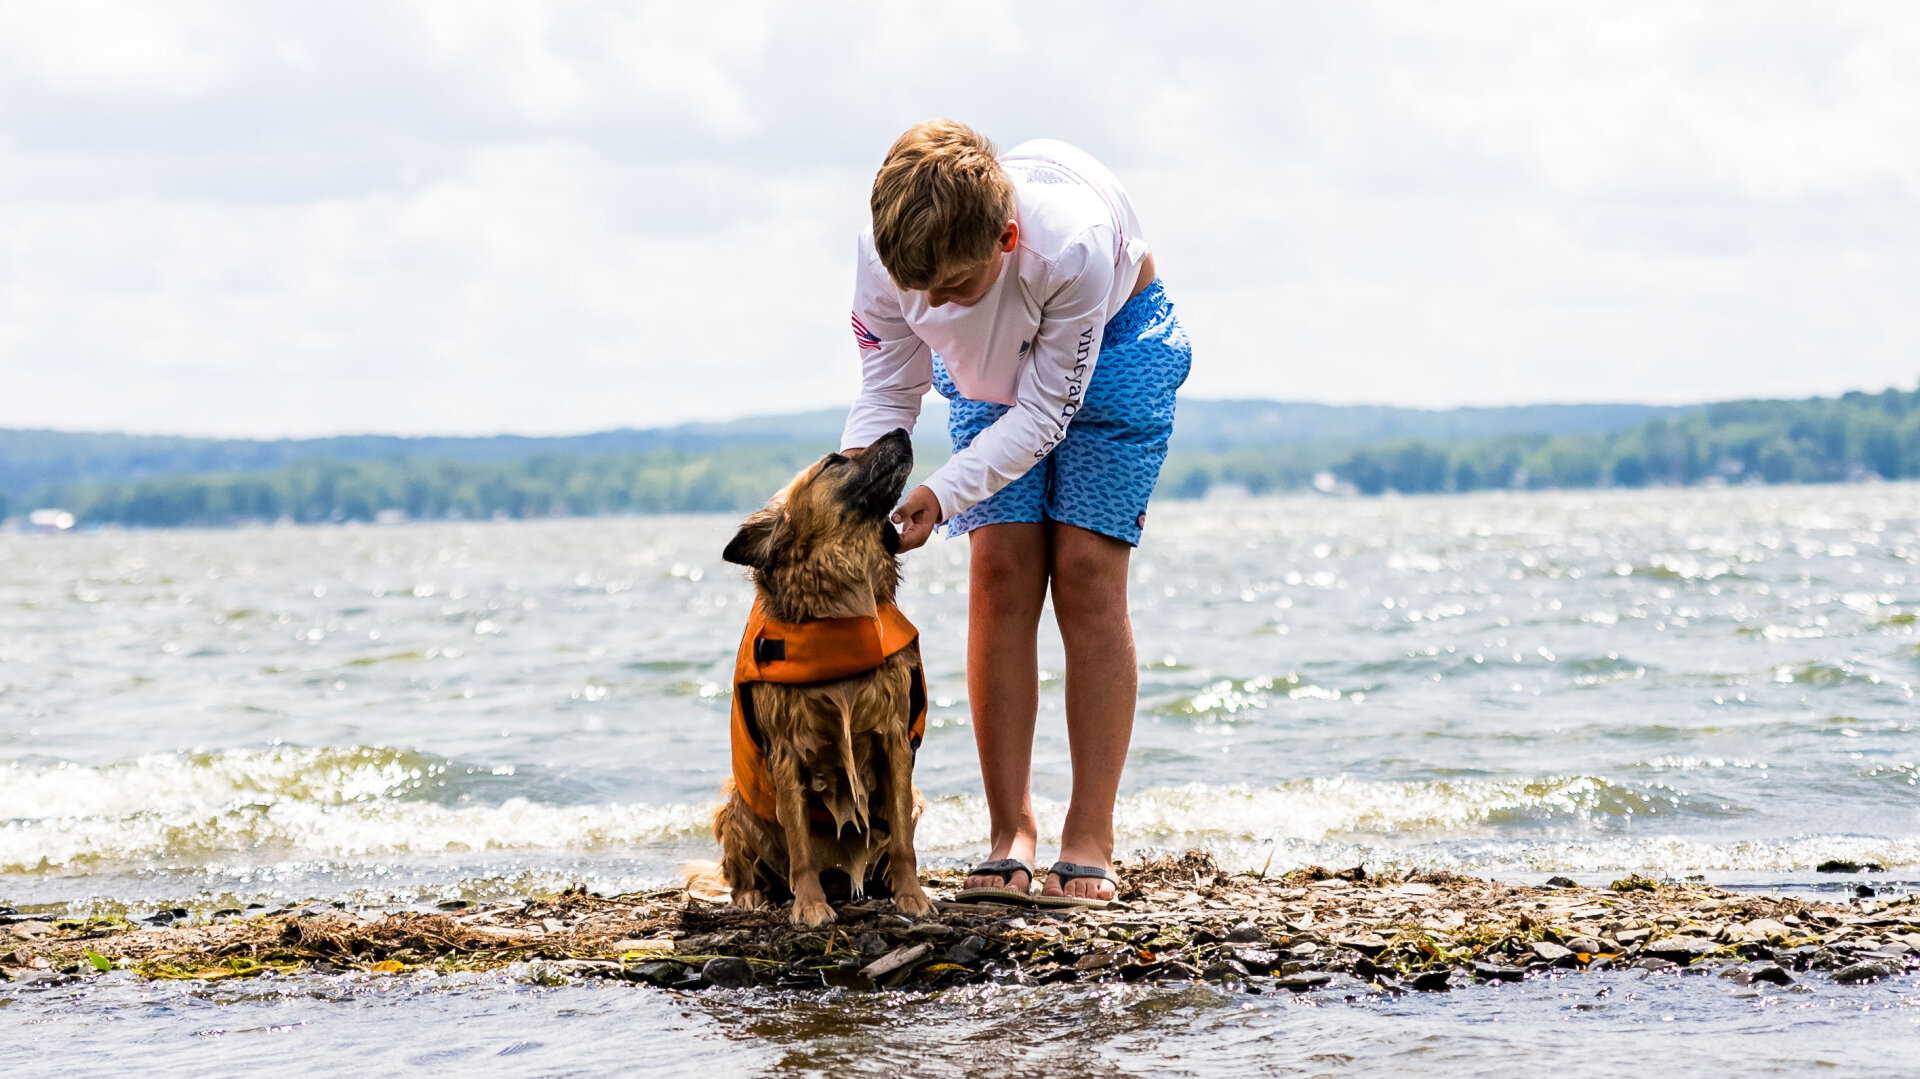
x: 444, y: 216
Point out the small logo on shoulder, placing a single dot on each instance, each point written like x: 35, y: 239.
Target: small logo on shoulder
x: 864, y: 337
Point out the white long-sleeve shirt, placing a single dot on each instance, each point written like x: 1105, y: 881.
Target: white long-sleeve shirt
x: 1031, y: 342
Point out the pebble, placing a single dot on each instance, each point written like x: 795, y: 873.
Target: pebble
x: 968, y: 952
x: 1495, y: 973
x: 1300, y: 983
x: 1681, y: 950
x: 1871, y: 970
x: 727, y: 972
x: 1549, y: 951
x: 1226, y: 970
x: 1433, y: 981
x: 658, y: 972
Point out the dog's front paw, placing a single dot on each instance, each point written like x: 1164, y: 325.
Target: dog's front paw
x: 912, y: 901
x: 750, y: 899
x: 811, y: 913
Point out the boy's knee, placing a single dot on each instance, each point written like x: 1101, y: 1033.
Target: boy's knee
x: 1090, y: 576
x: 1006, y: 581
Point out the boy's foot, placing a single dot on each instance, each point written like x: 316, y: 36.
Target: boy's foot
x: 1014, y: 879
x: 1081, y: 885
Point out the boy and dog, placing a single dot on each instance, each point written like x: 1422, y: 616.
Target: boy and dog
x: 1022, y: 288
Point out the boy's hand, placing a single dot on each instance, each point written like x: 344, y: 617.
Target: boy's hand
x: 917, y: 517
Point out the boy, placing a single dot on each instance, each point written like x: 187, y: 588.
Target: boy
x: 1021, y: 287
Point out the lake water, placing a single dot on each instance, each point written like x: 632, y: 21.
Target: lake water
x: 1715, y: 682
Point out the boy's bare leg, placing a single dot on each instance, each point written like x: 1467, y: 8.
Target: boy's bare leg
x: 1007, y: 588
x: 1089, y: 573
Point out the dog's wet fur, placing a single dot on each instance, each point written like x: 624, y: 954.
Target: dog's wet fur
x: 825, y: 548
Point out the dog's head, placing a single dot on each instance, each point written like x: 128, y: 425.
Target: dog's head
x: 824, y: 547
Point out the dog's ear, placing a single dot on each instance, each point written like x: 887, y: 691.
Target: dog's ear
x: 889, y: 537
x: 753, y: 544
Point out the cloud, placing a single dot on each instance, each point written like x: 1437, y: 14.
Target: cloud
x: 440, y: 216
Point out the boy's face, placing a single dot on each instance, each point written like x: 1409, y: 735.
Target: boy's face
x: 965, y: 286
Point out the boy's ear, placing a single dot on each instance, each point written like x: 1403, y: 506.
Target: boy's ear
x: 753, y: 545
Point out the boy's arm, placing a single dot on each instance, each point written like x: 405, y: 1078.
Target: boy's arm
x: 1051, y: 388
x: 896, y: 368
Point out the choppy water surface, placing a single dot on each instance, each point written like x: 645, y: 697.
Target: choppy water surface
x: 1717, y: 682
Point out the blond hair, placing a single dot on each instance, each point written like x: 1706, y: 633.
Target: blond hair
x: 940, y: 203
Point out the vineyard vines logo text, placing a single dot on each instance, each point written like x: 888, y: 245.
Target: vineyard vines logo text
x: 1076, y: 386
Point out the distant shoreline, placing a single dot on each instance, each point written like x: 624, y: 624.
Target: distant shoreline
x: 1258, y: 447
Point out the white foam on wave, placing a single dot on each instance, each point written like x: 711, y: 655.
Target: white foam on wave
x: 162, y: 782
x: 171, y: 811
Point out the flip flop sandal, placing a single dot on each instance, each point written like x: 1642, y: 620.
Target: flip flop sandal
x: 1068, y: 871
x: 1004, y: 868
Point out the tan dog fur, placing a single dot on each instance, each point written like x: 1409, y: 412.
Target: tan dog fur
x: 823, y: 548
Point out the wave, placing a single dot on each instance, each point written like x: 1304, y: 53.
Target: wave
x: 372, y: 802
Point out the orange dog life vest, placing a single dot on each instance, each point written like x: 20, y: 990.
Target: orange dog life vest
x: 821, y: 650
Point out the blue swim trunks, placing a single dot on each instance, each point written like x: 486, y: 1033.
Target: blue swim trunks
x: 1103, y: 472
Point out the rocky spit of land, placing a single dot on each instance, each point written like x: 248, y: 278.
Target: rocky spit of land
x: 1180, y: 919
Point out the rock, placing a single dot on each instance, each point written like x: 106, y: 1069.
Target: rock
x: 651, y: 944
x: 1262, y: 960
x: 1300, y: 983
x: 1587, y: 945
x: 658, y: 972
x: 1433, y: 981
x: 1550, y: 952
x: 1304, y: 950
x: 1841, y: 865
x: 727, y: 972
x: 1737, y: 975
x: 588, y: 968
x: 1680, y: 950
x: 968, y: 952
x: 871, y: 944
x: 1770, y: 972
x: 1864, y: 891
x: 1367, y: 968
x: 1562, y: 882
x: 1223, y: 971
x: 29, y: 930
x: 1494, y: 973
x: 1175, y: 971
x: 1767, y: 929
x: 1366, y: 944
x: 1869, y: 971
x: 1096, y: 960
x: 454, y: 904
x: 1632, y: 936
x: 1655, y: 965
x: 1246, y: 933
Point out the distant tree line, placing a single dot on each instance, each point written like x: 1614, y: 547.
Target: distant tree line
x: 1808, y: 441
x: 664, y: 481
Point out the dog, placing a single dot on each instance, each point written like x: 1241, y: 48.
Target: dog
x: 829, y: 696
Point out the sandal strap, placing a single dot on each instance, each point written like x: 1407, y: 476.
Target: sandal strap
x: 1067, y: 871
x: 1004, y: 868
